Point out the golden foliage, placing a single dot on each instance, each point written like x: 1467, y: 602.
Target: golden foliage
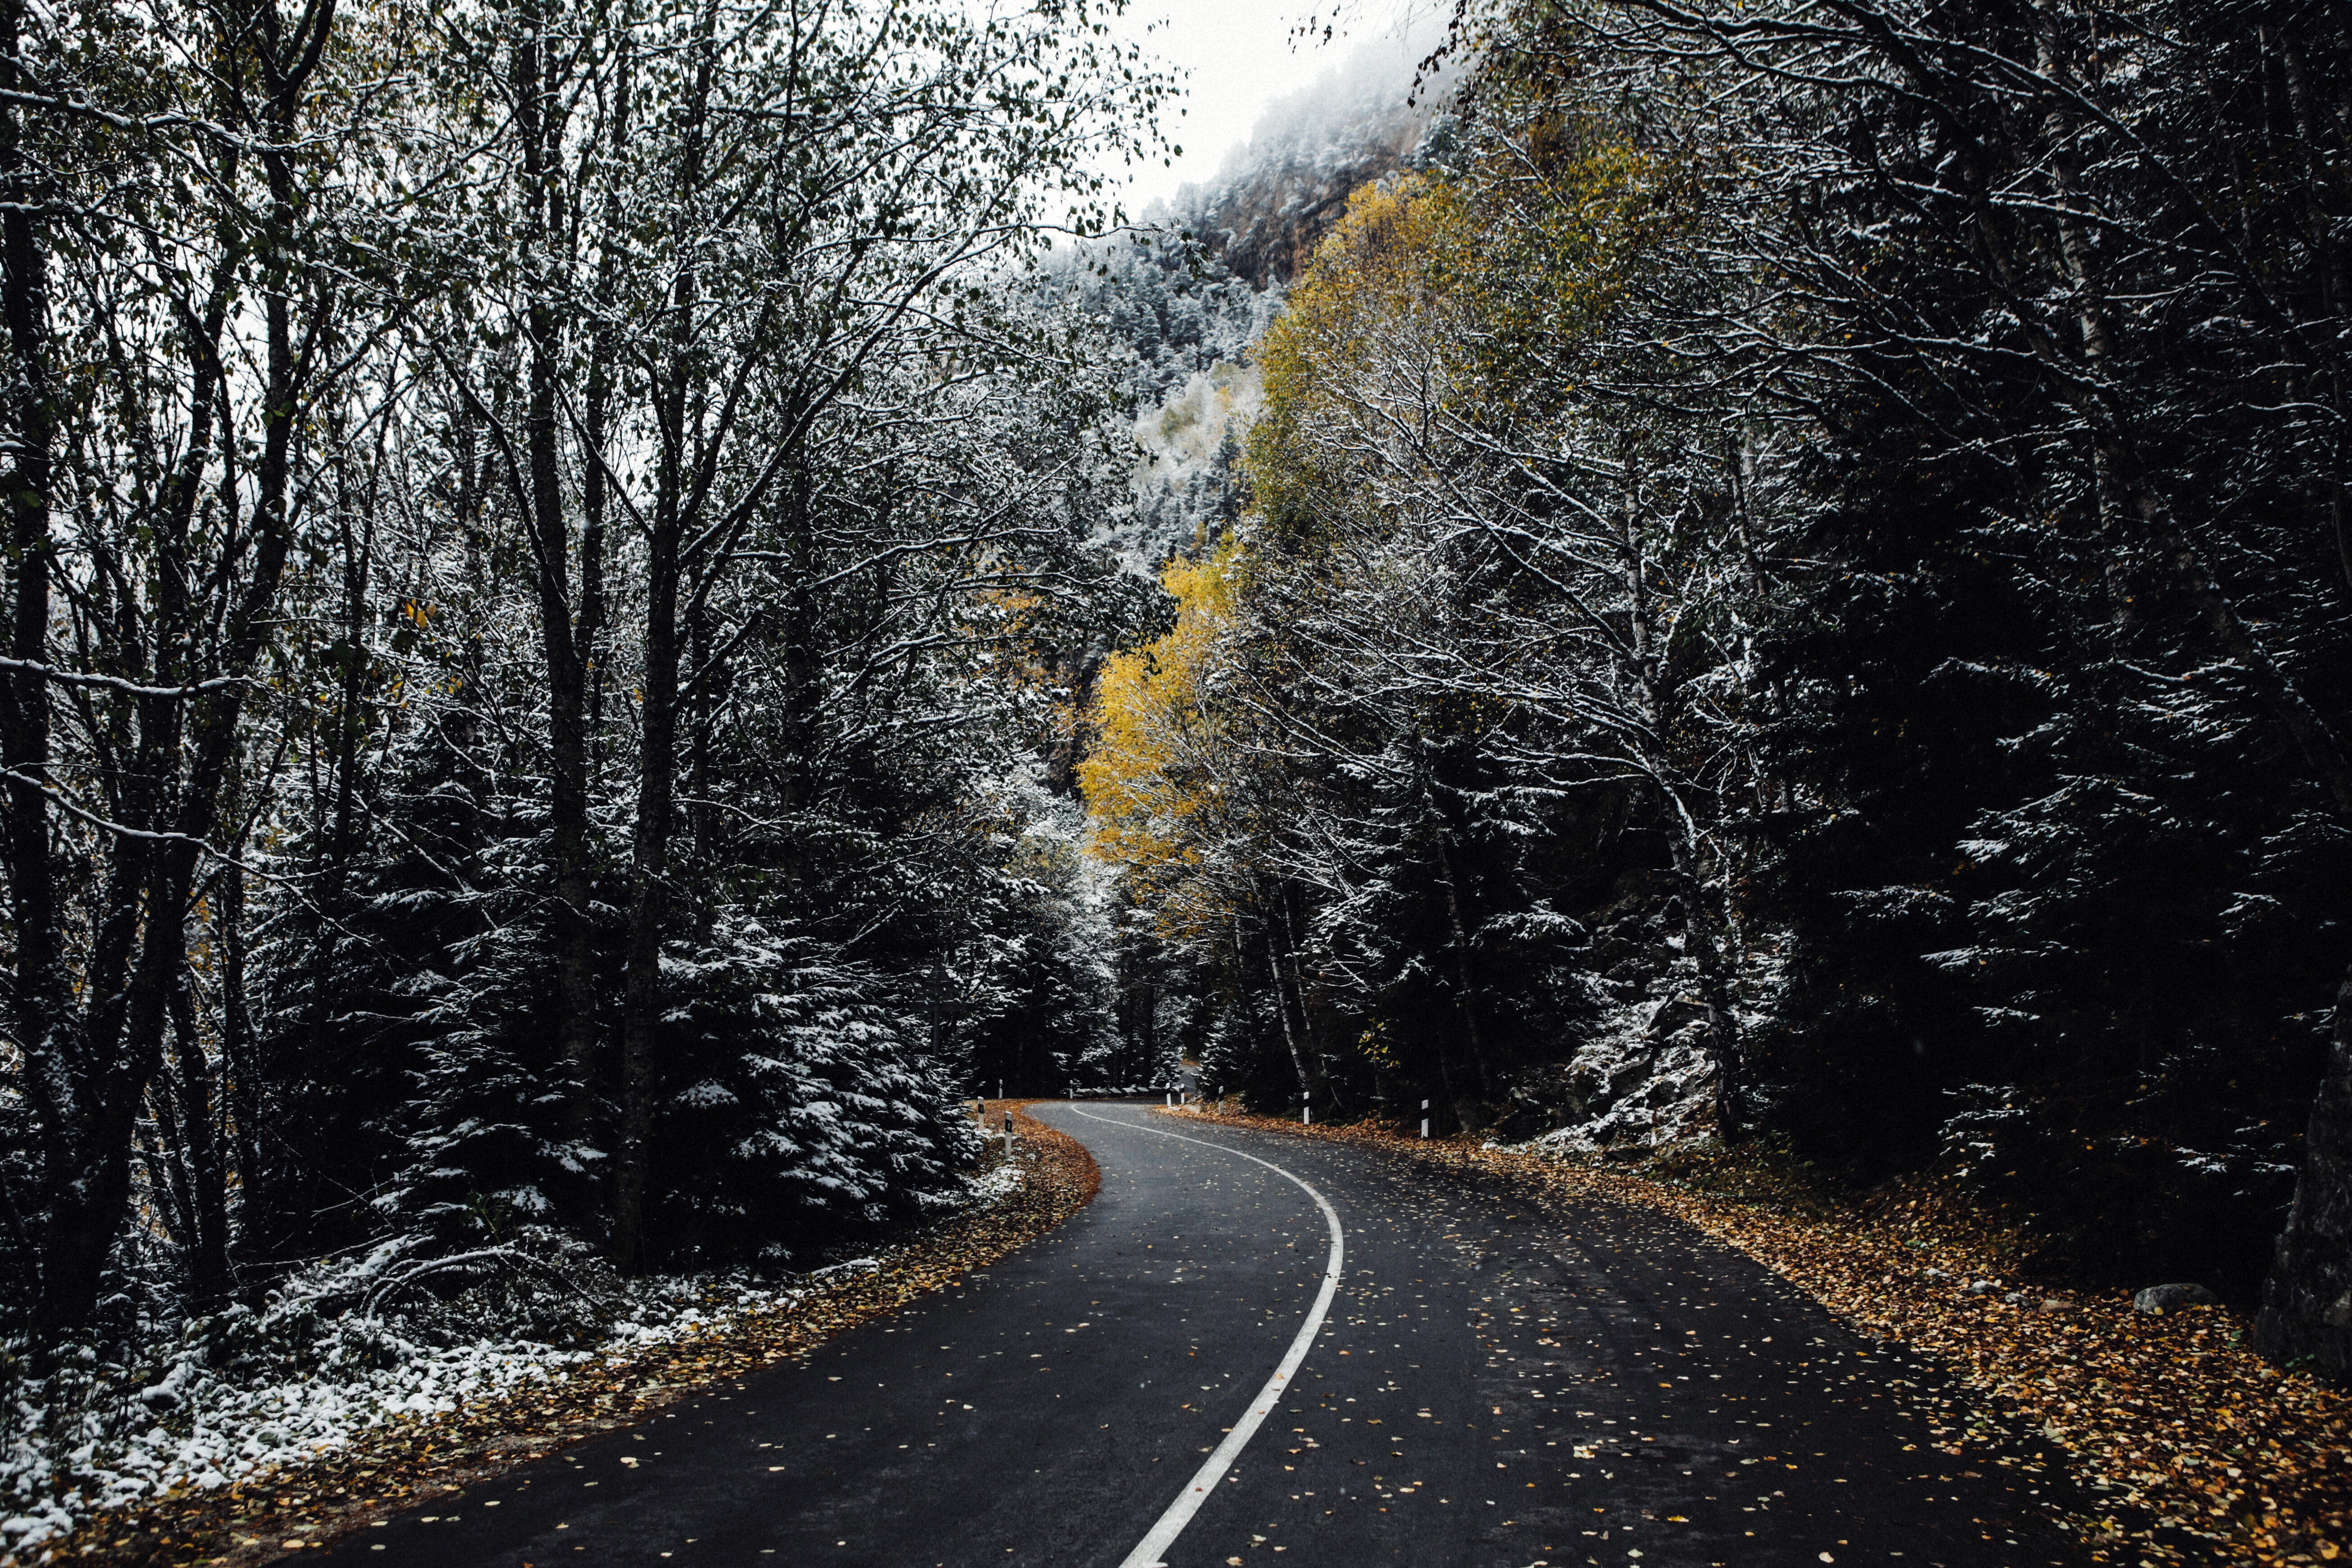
x: 1432, y: 300
x: 1469, y: 299
x: 1145, y: 778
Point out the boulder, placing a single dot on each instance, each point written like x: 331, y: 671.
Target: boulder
x: 2159, y: 1300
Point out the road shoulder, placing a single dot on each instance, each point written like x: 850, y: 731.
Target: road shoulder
x: 408, y: 1462
x: 2172, y: 1441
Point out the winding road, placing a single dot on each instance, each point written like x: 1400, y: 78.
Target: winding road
x: 1259, y: 1350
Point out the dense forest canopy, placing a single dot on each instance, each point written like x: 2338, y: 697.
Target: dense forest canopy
x: 539, y: 537
x: 1795, y: 587
x: 612, y: 606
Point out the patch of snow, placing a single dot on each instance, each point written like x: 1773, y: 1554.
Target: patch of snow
x: 337, y: 1353
x: 996, y: 1186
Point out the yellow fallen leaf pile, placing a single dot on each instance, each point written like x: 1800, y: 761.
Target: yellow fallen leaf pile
x: 2184, y: 1446
x: 260, y: 1518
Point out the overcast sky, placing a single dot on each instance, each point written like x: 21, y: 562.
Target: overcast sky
x: 1239, y: 57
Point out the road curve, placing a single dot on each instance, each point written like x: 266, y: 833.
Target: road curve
x: 1496, y: 1385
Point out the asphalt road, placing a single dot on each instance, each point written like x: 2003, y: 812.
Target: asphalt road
x: 1497, y: 1384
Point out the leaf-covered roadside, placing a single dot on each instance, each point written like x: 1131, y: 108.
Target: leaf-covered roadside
x: 409, y: 1460
x: 2186, y: 1446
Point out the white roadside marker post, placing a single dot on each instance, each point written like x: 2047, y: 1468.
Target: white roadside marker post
x: 1008, y: 1135
x: 1306, y: 1109
x: 1424, y: 1119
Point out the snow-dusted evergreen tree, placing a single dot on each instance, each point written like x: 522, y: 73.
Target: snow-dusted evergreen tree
x: 503, y: 723
x: 1825, y: 526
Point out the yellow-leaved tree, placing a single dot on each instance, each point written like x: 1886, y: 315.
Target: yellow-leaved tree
x: 1149, y: 777
x: 1433, y: 639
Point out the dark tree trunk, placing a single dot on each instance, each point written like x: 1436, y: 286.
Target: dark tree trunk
x: 563, y: 645
x: 649, y: 896
x: 2307, y: 1314
x: 45, y: 1016
x: 193, y: 1094
x: 1465, y: 993
x: 240, y: 1096
x: 596, y: 482
x: 657, y: 728
x: 1245, y: 994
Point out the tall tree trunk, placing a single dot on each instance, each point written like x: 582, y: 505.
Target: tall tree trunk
x: 192, y: 1093
x: 1465, y: 993
x: 1325, y: 1084
x: 595, y: 485
x: 340, y: 839
x: 45, y: 1016
x: 675, y: 473
x: 1245, y: 990
x: 563, y: 643
x: 1308, y: 1079
x: 649, y: 896
x: 1648, y: 670
x: 2306, y: 1310
x: 240, y: 1096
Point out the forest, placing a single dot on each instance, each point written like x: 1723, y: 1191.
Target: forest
x: 1793, y: 588
x: 538, y: 545
x: 613, y: 606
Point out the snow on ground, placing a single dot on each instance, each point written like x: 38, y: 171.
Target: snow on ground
x: 997, y: 1184
x: 242, y: 1393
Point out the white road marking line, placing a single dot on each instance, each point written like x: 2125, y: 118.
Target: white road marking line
x: 1148, y: 1551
